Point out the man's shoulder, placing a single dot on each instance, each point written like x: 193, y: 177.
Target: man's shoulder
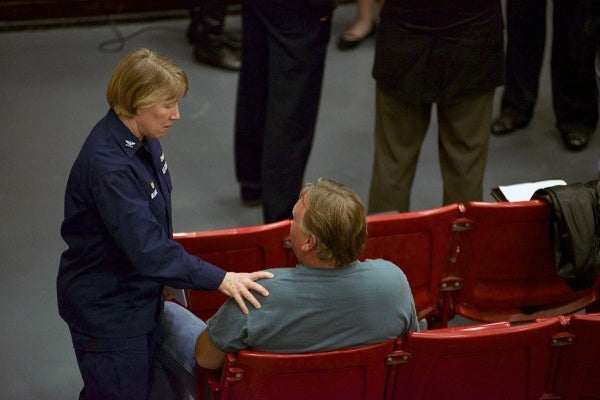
x: 379, y: 263
x: 279, y: 275
x: 382, y: 267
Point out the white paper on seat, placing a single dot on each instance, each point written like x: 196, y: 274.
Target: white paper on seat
x: 524, y: 191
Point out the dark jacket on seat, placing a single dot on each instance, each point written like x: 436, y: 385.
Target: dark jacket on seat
x: 575, y: 230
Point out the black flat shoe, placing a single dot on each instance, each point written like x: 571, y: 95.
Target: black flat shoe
x: 575, y: 139
x: 348, y: 40
x: 505, y: 125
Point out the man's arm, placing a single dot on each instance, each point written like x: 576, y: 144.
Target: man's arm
x: 207, y: 354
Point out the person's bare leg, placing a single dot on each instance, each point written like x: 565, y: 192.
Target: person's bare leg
x: 363, y: 22
x: 362, y: 26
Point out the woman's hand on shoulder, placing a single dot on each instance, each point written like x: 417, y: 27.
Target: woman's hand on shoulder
x: 238, y: 285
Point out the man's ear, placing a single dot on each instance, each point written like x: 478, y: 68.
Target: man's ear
x: 309, y: 243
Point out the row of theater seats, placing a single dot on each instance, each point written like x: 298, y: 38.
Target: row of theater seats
x: 551, y: 358
x: 485, y: 261
x: 489, y: 262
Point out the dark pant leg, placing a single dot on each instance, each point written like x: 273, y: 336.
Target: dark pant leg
x: 206, y: 19
x: 115, y: 369
x: 297, y: 47
x: 251, y: 102
x: 526, y: 36
x: 575, y: 95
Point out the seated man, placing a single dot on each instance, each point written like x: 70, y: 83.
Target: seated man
x: 330, y: 300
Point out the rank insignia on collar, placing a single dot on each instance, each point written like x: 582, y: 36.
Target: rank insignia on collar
x: 154, y: 190
x: 129, y: 143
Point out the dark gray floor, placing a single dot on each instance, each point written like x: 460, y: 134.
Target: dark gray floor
x: 52, y: 92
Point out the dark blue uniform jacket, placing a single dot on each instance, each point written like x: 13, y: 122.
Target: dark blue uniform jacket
x: 119, y: 232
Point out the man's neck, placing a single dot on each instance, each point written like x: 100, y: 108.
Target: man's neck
x: 312, y: 260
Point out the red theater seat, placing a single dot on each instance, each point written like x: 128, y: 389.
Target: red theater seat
x: 245, y: 249
x: 506, y: 265
x: 577, y: 375
x: 419, y: 243
x: 484, y: 361
x: 348, y: 374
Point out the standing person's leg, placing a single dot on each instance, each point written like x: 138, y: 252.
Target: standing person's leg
x: 297, y: 48
x: 574, y: 94
x: 207, y: 18
x: 464, y: 133
x: 400, y: 129
x: 115, y: 368
x: 526, y: 37
x: 362, y: 27
x: 598, y: 67
x: 177, y: 335
x: 251, y: 106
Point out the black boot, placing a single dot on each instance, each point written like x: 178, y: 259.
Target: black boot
x: 213, y: 51
x: 211, y: 45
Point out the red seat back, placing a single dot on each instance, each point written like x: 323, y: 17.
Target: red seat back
x: 577, y: 375
x: 349, y: 374
x: 245, y: 249
x: 489, y: 362
x: 418, y: 242
x: 506, y: 264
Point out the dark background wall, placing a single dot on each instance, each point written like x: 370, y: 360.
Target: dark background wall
x: 19, y: 10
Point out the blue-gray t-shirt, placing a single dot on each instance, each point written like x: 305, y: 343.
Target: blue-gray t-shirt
x: 316, y: 309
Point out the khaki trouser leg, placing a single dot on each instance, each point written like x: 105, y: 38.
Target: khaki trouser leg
x: 464, y: 133
x: 400, y: 129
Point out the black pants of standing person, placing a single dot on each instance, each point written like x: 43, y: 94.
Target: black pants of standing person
x: 279, y: 89
x: 574, y: 94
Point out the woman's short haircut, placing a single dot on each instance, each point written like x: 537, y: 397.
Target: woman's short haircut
x: 335, y: 215
x: 142, y: 79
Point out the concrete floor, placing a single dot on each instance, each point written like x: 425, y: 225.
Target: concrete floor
x: 53, y: 86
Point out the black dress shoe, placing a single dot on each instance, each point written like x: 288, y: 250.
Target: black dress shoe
x: 218, y: 55
x: 348, y: 40
x: 504, y: 125
x: 575, y: 139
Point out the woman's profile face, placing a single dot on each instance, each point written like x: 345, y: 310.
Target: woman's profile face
x: 154, y: 121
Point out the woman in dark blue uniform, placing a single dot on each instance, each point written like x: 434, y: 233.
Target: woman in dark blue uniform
x: 118, y: 229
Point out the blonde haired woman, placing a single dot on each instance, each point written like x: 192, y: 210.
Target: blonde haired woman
x: 118, y: 230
